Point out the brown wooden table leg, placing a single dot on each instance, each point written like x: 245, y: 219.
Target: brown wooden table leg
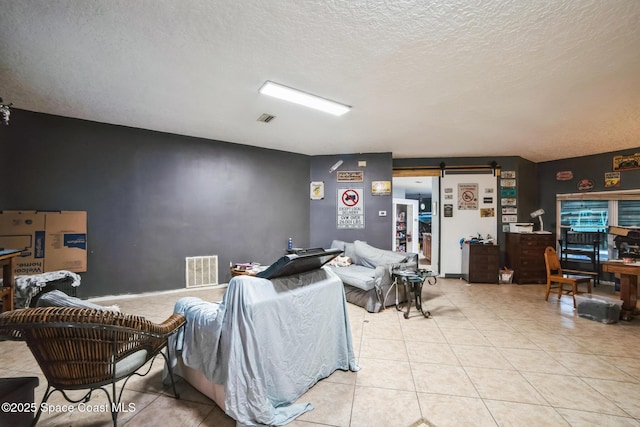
x: 628, y: 295
x: 7, y: 282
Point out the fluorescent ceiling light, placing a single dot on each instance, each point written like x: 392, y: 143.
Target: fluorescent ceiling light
x: 308, y: 100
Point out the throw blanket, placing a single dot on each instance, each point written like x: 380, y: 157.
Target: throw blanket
x: 29, y: 286
x: 268, y: 342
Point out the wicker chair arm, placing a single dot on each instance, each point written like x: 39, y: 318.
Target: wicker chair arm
x: 169, y: 326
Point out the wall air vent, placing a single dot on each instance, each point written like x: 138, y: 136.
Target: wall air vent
x: 266, y: 118
x: 201, y: 270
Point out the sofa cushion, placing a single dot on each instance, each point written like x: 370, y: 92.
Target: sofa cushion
x: 357, y: 276
x: 371, y: 257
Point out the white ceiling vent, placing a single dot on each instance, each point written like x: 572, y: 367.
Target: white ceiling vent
x: 201, y: 270
x: 266, y: 118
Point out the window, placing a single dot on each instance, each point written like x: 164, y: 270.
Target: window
x: 585, y: 216
x: 629, y: 213
x: 602, y: 209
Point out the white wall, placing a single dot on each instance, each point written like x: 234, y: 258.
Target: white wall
x: 464, y: 223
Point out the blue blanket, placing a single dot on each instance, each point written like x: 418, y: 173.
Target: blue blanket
x: 268, y: 342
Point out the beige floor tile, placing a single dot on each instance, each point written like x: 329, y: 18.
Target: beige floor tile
x: 591, y: 366
x: 377, y: 407
x: 480, y: 357
x: 95, y: 412
x: 445, y: 411
x: 386, y: 327
x: 491, y: 325
x: 557, y: 342
x: 572, y: 392
x: 216, y: 418
x: 442, y: 379
x: 18, y: 357
x: 385, y: 374
x: 509, y: 339
x: 342, y: 377
x: 523, y: 414
x: 590, y: 419
x: 421, y: 333
x: 507, y: 385
x: 623, y: 394
x: 373, y: 348
x: 171, y: 412
x: 431, y: 352
x: 455, y: 336
x: 526, y: 360
x: 629, y: 365
x: 455, y: 322
x: 331, y: 402
x: 531, y: 326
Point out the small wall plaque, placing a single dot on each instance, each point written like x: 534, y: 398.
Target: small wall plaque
x: 350, y: 176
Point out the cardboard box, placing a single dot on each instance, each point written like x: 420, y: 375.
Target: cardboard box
x: 49, y: 241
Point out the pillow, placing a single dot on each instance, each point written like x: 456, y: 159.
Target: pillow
x: 350, y: 251
x: 374, y: 257
x: 60, y: 299
x: 335, y: 244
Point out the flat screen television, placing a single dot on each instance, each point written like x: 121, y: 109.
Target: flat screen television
x: 299, y: 262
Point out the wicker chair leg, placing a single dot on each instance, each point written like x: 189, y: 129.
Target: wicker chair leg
x: 167, y: 361
x: 47, y: 393
x: 115, y: 407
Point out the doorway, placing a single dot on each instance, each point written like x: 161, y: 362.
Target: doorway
x: 415, y: 201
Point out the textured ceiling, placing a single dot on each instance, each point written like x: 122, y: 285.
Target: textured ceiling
x: 539, y: 79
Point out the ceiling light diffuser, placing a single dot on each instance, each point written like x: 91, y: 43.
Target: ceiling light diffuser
x: 302, y: 98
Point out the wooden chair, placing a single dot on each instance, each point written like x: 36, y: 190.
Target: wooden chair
x: 89, y: 349
x: 555, y: 275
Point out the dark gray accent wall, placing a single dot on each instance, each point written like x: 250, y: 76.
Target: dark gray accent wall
x: 323, y: 218
x: 587, y: 167
x: 153, y: 198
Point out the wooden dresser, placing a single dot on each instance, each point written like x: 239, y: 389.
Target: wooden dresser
x: 426, y: 246
x: 480, y: 263
x: 524, y: 254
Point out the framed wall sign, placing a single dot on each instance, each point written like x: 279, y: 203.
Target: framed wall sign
x: 350, y: 212
x: 381, y: 188
x: 316, y: 190
x: 350, y: 176
x: 621, y: 163
x: 467, y: 196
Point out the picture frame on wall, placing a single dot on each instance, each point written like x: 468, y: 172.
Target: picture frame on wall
x: 380, y: 188
x: 316, y: 190
x: 621, y: 163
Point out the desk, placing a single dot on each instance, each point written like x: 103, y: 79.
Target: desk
x: 628, y: 274
x: 8, y: 281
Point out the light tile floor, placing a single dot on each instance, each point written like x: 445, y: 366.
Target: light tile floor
x: 491, y: 355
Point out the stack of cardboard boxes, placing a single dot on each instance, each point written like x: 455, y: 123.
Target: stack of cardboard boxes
x: 48, y: 241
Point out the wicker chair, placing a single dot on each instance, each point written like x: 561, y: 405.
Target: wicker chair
x: 88, y: 349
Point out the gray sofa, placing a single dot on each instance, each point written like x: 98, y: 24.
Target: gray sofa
x: 367, y: 281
